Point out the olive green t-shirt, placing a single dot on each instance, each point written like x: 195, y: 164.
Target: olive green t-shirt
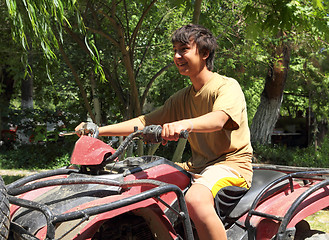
x: 231, y: 145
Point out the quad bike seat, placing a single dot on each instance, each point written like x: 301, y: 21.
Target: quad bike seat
x: 232, y: 202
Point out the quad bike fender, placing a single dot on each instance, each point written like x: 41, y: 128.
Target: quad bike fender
x: 90, y: 151
x: 312, y: 204
x: 164, y: 171
x: 34, y: 194
x: 148, y: 209
x: 161, y: 170
x: 280, y: 205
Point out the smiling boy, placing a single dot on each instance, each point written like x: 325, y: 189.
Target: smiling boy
x: 213, y: 110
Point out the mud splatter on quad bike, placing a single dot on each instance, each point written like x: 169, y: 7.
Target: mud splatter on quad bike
x: 143, y: 198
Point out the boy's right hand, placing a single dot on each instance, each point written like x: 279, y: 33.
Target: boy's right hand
x: 172, y: 131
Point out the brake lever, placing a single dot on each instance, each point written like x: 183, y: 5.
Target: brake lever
x: 79, y: 133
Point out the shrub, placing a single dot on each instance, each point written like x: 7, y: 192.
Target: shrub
x: 37, y: 156
x: 301, y: 157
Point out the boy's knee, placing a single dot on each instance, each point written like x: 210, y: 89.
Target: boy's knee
x: 194, y: 195
x: 199, y: 199
x: 192, y: 200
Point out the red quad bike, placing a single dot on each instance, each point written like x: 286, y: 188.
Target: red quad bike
x: 143, y: 198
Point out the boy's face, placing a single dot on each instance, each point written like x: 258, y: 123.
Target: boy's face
x: 188, y: 59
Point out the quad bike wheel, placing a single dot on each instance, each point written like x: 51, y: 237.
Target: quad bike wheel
x: 4, y: 211
x: 124, y: 227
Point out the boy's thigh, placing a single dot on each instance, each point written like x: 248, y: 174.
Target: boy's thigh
x: 216, y: 177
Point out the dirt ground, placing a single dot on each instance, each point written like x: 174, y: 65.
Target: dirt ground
x: 18, y: 172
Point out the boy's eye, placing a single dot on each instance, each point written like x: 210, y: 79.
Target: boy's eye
x: 180, y: 50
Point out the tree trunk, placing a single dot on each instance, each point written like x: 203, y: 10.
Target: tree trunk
x: 271, y: 99
x: 265, y: 119
x: 27, y: 90
x: 26, y: 100
x: 197, y: 11
x: 77, y: 80
x: 97, y: 105
x: 7, y: 81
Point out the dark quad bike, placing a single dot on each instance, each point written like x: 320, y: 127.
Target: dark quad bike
x: 143, y: 198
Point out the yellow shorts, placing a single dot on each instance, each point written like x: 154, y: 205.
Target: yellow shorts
x: 216, y: 177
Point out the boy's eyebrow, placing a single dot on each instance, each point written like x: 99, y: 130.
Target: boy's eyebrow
x: 180, y: 44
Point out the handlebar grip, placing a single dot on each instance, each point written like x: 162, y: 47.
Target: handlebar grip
x: 183, y: 134
x: 152, y: 134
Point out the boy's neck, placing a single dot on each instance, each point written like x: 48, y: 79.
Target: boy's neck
x: 201, y: 79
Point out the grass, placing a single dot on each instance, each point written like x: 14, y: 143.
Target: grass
x: 319, y: 221
x: 11, y: 178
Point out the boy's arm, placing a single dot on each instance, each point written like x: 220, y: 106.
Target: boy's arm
x: 210, y: 122
x: 118, y: 129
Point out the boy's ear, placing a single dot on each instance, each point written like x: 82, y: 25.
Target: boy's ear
x: 205, y: 54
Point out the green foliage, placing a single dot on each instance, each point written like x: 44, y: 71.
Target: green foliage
x: 39, y: 18
x: 307, y: 85
x: 42, y: 124
x: 37, y: 156
x: 245, y: 60
x: 267, y: 18
x: 301, y: 157
x: 246, y: 33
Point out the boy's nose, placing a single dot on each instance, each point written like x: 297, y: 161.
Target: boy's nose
x: 177, y: 55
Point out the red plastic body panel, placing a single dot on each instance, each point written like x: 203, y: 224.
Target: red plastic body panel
x: 162, y: 172
x: 279, y: 204
x: 32, y: 195
x: 90, y: 151
x: 91, y: 228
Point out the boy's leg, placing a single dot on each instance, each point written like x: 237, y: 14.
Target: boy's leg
x: 200, y: 203
x: 200, y: 199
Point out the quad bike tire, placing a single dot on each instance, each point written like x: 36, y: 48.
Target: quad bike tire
x: 124, y: 227
x: 4, y: 211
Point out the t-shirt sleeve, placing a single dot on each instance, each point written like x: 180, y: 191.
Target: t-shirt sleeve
x: 172, y: 110
x: 161, y: 115
x: 231, y: 101
x: 154, y: 117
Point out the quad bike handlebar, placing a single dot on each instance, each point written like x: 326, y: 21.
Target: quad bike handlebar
x: 154, y: 189
x: 150, y: 134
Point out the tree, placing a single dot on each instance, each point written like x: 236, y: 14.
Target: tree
x: 6, y: 76
x: 118, y: 52
x: 11, y: 72
x: 118, y: 38
x: 281, y: 23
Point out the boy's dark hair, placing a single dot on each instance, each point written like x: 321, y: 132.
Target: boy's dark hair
x: 203, y: 38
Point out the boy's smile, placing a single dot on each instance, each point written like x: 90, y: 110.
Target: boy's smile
x: 187, y: 59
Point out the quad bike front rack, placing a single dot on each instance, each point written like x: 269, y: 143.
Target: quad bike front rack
x: 155, y: 192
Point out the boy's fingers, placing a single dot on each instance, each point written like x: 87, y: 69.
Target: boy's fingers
x: 79, y: 126
x: 79, y: 129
